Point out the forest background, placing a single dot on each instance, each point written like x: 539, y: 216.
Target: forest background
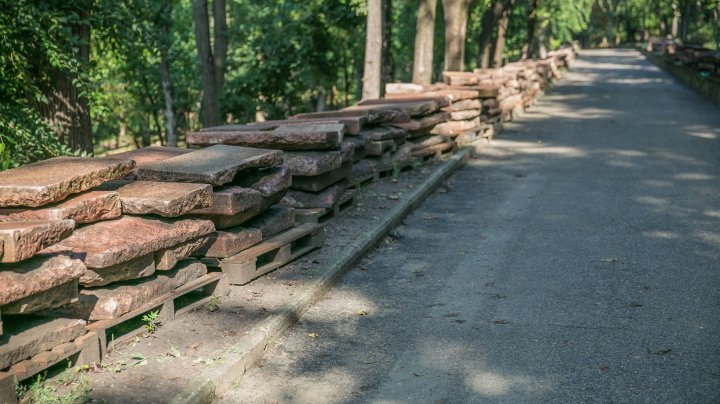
x: 86, y: 77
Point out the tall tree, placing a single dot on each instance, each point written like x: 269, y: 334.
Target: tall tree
x: 456, y: 13
x: 220, y: 43
x: 209, y: 105
x: 164, y: 45
x: 373, y: 51
x: 388, y: 63
x: 499, y: 48
x: 531, y: 26
x: 490, y: 20
x: 424, y: 38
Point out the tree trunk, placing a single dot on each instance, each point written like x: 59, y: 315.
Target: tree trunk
x: 685, y: 20
x: 532, y: 20
x: 165, y: 76
x: 210, y: 114
x: 424, y: 38
x: 456, y: 13
x: 67, y: 109
x: 388, y: 66
x: 220, y: 44
x: 675, y: 20
x: 500, y: 39
x: 373, y: 51
x: 489, y: 22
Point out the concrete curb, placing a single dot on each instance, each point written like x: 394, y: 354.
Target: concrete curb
x: 250, y: 348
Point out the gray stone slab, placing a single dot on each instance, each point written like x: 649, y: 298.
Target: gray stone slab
x: 37, y: 275
x: 359, y: 146
x: 85, y: 207
x: 310, y: 136
x: 111, y: 242
x: 54, y: 179
x: 380, y: 147
x: 216, y: 165
x: 317, y: 183
x: 28, y: 336
x: 226, y: 243
x: 140, y: 267
x: 168, y: 199
x: 267, y: 181
x: 22, y: 240
x: 313, y: 162
x: 114, y: 301
x: 384, y: 133
x: 273, y: 220
x: 323, y: 199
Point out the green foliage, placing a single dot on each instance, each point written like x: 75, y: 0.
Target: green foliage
x: 151, y: 321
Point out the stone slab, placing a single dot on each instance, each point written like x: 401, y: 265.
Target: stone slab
x: 48, y: 299
x: 464, y: 105
x: 359, y: 149
x: 36, y: 276
x: 227, y: 221
x: 166, y: 259
x: 85, y: 207
x: 267, y: 181
x: 22, y: 240
x: 421, y: 126
x: 273, y: 221
x: 52, y: 180
x: 317, y: 183
x: 151, y: 154
x: 226, y: 243
x: 323, y: 199
x: 429, y: 141
x: 136, y: 268
x: 310, y: 136
x: 28, y: 336
x: 353, y: 124
x: 114, y: 301
x: 231, y: 200
x: 433, y: 150
x: 379, y: 147
x: 111, y: 242
x: 362, y: 169
x: 216, y: 165
x: 373, y: 115
x: 454, y: 128
x: 347, y: 151
x: 167, y: 199
x: 384, y: 133
x: 464, y: 115
x: 313, y: 162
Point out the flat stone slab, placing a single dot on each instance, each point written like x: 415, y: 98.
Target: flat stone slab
x: 429, y: 141
x: 54, y: 179
x: 379, y: 147
x: 316, y: 183
x: 359, y: 144
x: 226, y: 243
x: 313, y: 162
x: 464, y: 115
x: 311, y: 136
x: 385, y: 133
x: 362, y: 170
x: 421, y: 126
x: 411, y: 107
x: 353, y: 124
x: 166, y: 259
x: 112, y: 242
x: 168, y: 199
x: 151, y: 154
x: 273, y: 221
x: 373, y: 115
x: 86, y: 207
x: 227, y: 221
x: 454, y: 128
x: 464, y: 105
x: 28, y: 336
x: 136, y: 268
x: 114, y: 301
x: 22, y: 240
x: 231, y: 200
x: 54, y: 297
x: 433, y: 150
x: 323, y: 199
x: 216, y: 165
x: 267, y: 181
x: 37, y: 275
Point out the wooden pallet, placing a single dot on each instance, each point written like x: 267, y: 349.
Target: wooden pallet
x: 272, y: 253
x: 212, y: 285
x: 323, y: 215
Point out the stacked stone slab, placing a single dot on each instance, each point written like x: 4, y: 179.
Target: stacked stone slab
x: 42, y: 205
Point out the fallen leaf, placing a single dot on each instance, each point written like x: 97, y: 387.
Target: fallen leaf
x: 313, y: 335
x: 362, y: 313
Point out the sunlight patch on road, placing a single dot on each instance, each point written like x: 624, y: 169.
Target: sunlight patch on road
x: 494, y: 384
x: 667, y: 235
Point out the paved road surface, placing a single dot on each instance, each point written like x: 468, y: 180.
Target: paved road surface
x: 578, y: 261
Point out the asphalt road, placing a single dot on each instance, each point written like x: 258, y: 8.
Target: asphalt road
x: 577, y: 261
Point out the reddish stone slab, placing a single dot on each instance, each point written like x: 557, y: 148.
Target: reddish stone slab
x: 423, y: 125
x: 53, y: 180
x: 317, y: 183
x: 168, y: 199
x: 385, y: 133
x: 273, y: 221
x: 114, y: 301
x: 166, y: 259
x: 227, y: 221
x: 54, y: 297
x: 311, y: 136
x: 464, y: 115
x: 323, y: 199
x: 216, y: 165
x: 379, y: 147
x: 353, y: 124
x: 22, y: 240
x: 313, y: 162
x: 267, y: 181
x: 147, y: 155
x: 37, y: 275
x: 111, y: 242
x: 464, y: 105
x: 226, y: 243
x: 232, y: 200
x: 429, y: 141
x: 86, y: 207
x: 454, y: 128
x: 359, y: 144
x: 373, y: 115
x: 140, y: 267
x: 28, y: 336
